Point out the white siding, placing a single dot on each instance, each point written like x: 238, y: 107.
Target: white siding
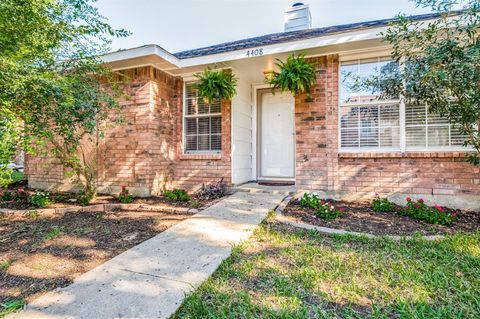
x: 242, y: 132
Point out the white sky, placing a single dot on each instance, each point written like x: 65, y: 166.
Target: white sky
x: 178, y: 25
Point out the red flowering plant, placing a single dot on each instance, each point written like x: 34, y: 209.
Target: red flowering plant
x: 417, y: 209
x: 125, y: 197
x: 12, y: 195
x: 323, y: 209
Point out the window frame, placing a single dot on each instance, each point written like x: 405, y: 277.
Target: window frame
x: 185, y: 116
x: 403, y: 148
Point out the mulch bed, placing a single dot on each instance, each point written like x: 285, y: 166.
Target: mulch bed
x: 41, y: 253
x: 359, y: 217
x: 60, y: 200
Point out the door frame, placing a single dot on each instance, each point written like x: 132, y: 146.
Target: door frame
x: 256, y: 158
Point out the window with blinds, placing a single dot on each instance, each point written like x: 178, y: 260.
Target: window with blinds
x: 371, y: 119
x: 425, y: 131
x: 202, y: 123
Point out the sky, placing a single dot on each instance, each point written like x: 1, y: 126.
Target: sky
x: 178, y: 25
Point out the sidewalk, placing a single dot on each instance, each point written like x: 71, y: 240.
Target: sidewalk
x: 151, y: 279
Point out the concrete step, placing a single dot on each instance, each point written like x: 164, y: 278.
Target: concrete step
x: 256, y: 188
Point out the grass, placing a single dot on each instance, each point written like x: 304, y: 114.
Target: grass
x: 53, y: 233
x: 286, y: 273
x: 4, y: 264
x: 11, y: 306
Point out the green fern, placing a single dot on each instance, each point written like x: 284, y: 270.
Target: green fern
x: 215, y: 85
x: 296, y: 75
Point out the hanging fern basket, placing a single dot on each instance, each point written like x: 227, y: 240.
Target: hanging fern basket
x: 214, y: 85
x: 296, y: 75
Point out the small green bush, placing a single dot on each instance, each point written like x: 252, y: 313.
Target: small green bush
x: 39, y: 199
x: 125, y: 197
x: 85, y: 198
x: 7, y: 195
x: 327, y: 211
x: 380, y: 204
x: 176, y: 195
x: 310, y: 200
x: 433, y: 215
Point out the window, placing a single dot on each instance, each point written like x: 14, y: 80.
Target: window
x: 202, y: 123
x: 426, y: 131
x: 371, y: 118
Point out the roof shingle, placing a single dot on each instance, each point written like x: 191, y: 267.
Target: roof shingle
x: 290, y: 36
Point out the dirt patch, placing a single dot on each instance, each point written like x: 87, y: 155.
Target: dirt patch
x: 360, y: 217
x: 41, y: 253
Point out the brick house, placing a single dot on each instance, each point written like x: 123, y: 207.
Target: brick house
x: 344, y: 143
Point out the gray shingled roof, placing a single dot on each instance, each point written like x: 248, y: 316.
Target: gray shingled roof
x: 290, y: 36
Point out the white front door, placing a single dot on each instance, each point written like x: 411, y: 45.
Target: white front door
x: 277, y: 136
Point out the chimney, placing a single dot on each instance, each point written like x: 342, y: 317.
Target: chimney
x: 298, y: 17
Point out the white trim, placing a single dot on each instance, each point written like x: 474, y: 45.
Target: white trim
x: 151, y: 49
x: 255, y: 88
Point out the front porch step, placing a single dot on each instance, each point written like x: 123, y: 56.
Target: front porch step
x: 256, y: 188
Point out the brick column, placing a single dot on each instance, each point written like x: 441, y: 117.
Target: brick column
x: 317, y: 131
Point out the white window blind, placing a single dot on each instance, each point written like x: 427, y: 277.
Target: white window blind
x: 372, y: 120
x: 202, y: 123
x: 370, y: 126
x: 368, y: 119
x: 425, y: 131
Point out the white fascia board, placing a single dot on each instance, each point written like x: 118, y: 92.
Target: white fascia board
x: 297, y: 45
x: 140, y: 52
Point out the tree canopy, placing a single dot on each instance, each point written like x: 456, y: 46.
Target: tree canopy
x: 54, y: 92
x: 441, y: 64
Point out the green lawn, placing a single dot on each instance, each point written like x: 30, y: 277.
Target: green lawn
x: 287, y: 273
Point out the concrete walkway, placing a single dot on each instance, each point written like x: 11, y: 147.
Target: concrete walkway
x: 151, y: 279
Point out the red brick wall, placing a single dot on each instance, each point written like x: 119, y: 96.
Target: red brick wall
x: 144, y: 151
x: 320, y: 165
x: 436, y: 173
x: 316, y: 129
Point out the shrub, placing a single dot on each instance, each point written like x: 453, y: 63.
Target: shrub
x: 39, y: 199
x: 433, y: 215
x: 176, y: 195
x: 85, y: 198
x: 327, y: 211
x: 212, y: 191
x: 125, y: 197
x: 310, y: 200
x: 7, y: 195
x: 380, y: 204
